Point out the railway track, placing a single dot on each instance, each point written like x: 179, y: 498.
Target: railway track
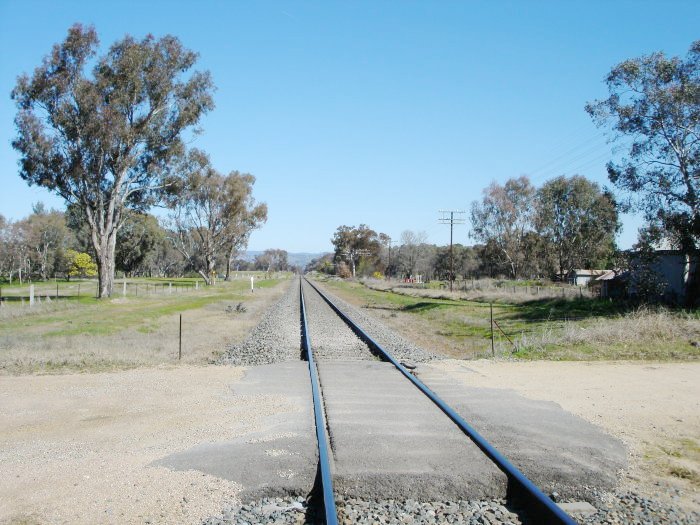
x: 387, y: 386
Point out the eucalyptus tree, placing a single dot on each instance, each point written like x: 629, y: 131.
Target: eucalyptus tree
x: 103, y: 139
x: 210, y: 212
x: 45, y: 234
x: 503, y: 218
x: 272, y: 260
x: 357, y: 245
x: 654, y: 110
x: 411, y: 250
x: 137, y: 240
x: 577, y: 222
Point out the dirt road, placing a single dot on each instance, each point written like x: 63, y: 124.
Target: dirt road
x: 78, y: 448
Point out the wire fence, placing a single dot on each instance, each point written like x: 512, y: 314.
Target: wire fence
x: 32, y: 294
x: 508, y: 335
x: 565, y: 291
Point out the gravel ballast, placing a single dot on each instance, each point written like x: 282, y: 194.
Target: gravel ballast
x: 330, y: 337
x: 275, y: 339
x: 356, y: 511
x: 402, y: 349
x: 622, y: 508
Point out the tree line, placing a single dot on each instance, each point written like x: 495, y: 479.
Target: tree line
x: 51, y: 243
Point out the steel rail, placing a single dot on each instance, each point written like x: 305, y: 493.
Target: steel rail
x: 540, y: 507
x: 330, y: 511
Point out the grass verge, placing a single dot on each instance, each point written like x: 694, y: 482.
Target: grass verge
x: 89, y: 335
x: 546, y: 328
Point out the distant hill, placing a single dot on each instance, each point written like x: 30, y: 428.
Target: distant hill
x: 295, y: 259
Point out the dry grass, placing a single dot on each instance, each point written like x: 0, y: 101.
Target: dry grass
x: 581, y: 329
x: 660, y: 332
x: 651, y: 326
x: 11, y: 312
x: 483, y: 290
x: 62, y: 336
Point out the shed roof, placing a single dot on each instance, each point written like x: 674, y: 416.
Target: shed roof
x: 592, y: 273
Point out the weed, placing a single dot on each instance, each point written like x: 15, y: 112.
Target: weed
x: 684, y: 473
x: 238, y: 309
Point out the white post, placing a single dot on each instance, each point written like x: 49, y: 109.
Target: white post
x: 31, y: 295
x: 252, y: 284
x: 196, y: 285
x: 124, y: 288
x: 170, y: 288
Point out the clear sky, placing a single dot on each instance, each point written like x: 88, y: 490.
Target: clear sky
x: 373, y: 112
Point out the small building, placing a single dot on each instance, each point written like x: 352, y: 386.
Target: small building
x: 581, y: 277
x: 669, y: 269
x: 612, y: 284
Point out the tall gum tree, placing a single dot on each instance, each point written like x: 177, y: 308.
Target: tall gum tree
x: 105, y: 140
x: 654, y: 110
x: 503, y: 218
x: 212, y: 215
x: 577, y: 222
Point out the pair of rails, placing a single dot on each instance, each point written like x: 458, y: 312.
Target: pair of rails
x: 538, y: 507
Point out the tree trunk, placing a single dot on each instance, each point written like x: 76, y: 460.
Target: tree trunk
x: 204, y: 276
x: 692, y: 284
x: 104, y: 255
x: 207, y: 272
x: 228, y: 263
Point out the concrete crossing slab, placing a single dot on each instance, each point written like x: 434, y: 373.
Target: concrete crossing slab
x: 389, y: 441
x: 280, y: 459
x: 555, y: 449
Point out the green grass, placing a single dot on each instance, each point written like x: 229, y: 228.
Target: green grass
x: 89, y: 335
x: 548, y: 328
x: 88, y: 316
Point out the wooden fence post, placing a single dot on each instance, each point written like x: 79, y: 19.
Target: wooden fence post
x: 493, y: 350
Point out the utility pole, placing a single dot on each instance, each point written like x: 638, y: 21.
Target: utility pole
x: 451, y: 220
x: 388, y: 245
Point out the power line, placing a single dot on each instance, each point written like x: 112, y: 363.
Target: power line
x: 571, y: 150
x: 567, y: 164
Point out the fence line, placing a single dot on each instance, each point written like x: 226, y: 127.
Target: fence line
x: 35, y: 293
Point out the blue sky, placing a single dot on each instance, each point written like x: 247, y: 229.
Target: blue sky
x: 373, y: 112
